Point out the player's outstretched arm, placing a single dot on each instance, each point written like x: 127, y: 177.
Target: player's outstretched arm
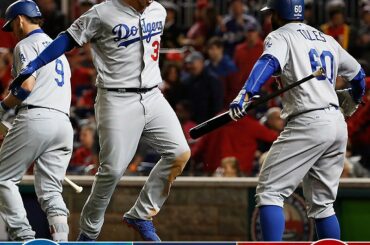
x: 264, y: 68
x: 63, y: 43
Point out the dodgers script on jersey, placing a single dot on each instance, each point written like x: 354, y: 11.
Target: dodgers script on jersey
x: 52, y: 89
x: 117, y: 46
x: 301, y: 50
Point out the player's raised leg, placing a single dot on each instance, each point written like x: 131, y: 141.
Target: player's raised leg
x: 163, y: 131
x: 119, y: 134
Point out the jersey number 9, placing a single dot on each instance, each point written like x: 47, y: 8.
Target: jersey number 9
x: 59, y: 69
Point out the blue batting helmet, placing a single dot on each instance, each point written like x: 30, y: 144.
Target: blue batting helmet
x: 287, y: 9
x: 21, y: 7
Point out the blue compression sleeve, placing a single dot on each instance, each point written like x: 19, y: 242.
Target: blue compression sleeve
x: 63, y: 43
x: 272, y: 222
x: 264, y: 68
x: 358, y: 85
x: 328, y: 227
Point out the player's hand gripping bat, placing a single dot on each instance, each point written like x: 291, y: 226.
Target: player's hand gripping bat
x: 225, y: 118
x: 4, y: 128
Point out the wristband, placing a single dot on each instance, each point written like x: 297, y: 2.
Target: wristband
x: 20, y: 93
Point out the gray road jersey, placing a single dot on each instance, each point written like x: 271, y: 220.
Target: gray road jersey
x: 125, y: 44
x: 53, y: 85
x: 301, y: 49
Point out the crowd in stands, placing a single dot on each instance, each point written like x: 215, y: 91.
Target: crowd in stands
x: 203, y: 68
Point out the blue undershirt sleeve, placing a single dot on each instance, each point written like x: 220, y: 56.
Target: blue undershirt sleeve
x: 358, y: 86
x: 265, y: 67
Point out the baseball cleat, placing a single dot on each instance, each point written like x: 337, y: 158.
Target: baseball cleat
x: 83, y: 238
x: 144, y: 227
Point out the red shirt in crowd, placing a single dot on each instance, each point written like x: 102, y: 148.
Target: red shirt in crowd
x: 186, y: 126
x: 87, y: 99
x: 5, y: 79
x: 7, y: 39
x: 237, y: 139
x: 245, y: 57
x: 359, y: 123
x: 82, y: 157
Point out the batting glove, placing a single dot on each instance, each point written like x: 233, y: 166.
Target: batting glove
x: 22, y: 76
x: 346, y: 102
x: 237, y: 108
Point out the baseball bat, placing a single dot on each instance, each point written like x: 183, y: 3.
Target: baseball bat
x: 224, y: 118
x: 76, y: 187
x: 5, y: 127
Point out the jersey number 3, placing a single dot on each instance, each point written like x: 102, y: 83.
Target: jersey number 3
x: 59, y: 69
x: 155, y: 55
x: 325, y: 60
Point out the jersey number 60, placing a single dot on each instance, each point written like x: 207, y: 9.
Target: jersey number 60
x: 323, y: 61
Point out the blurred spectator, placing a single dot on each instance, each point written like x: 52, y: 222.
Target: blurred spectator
x: 85, y: 103
x: 330, y: 4
x: 205, y: 26
x: 172, y: 32
x: 172, y: 88
x: 266, y: 24
x: 83, y: 160
x: 54, y: 19
x: 3, y: 5
x: 7, y: 39
x: 273, y: 121
x: 218, y: 63
x: 363, y: 41
x: 337, y: 27
x: 246, y: 55
x: 203, y: 90
x: 359, y: 130
x: 144, y: 160
x: 183, y: 112
x: 354, y: 169
x: 309, y: 13
x: 237, y: 139
x: 229, y: 168
x: 197, y: 33
x: 235, y: 25
x: 84, y: 6
x: 82, y: 79
x: 213, y: 23
x: 5, y: 71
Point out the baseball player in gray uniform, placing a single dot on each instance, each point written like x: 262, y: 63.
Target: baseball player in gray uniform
x: 313, y: 143
x: 125, y: 37
x: 41, y: 132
